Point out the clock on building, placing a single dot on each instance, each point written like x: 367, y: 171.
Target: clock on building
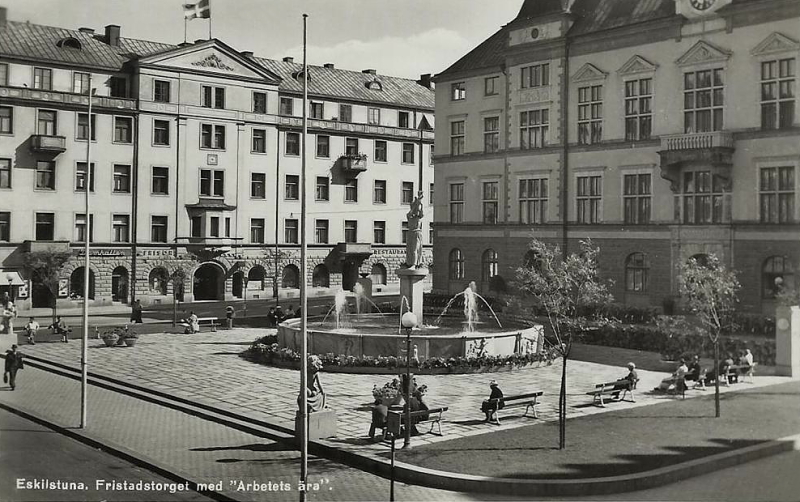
x: 702, y: 4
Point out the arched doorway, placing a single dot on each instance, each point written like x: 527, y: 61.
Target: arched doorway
x: 378, y: 274
x: 209, y: 282
x: 321, y: 277
x: 76, y: 284
x: 158, y: 280
x: 119, y: 285
x: 290, y: 277
x: 256, y: 277
x: 238, y: 284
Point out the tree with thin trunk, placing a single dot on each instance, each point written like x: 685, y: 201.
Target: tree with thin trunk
x: 178, y: 280
x: 45, y: 269
x: 565, y: 290
x: 709, y: 290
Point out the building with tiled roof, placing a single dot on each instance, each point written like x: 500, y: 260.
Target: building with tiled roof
x: 660, y: 129
x: 195, y: 165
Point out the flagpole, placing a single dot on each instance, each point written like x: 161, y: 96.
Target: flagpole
x: 86, y: 271
x: 185, y: 22
x: 209, y: 27
x: 303, y: 281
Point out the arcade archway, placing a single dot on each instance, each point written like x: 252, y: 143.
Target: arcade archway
x: 209, y: 282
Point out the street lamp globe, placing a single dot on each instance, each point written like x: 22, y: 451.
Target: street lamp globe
x: 409, y: 320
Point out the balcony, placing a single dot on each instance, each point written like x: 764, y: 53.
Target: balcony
x: 48, y: 144
x: 353, y: 163
x: 209, y: 247
x: 712, y: 150
x: 353, y: 250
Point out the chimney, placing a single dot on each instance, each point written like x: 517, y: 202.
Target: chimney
x: 370, y: 71
x: 330, y: 66
x: 247, y: 54
x: 3, y: 15
x: 288, y: 59
x: 88, y: 31
x: 184, y: 44
x: 200, y: 40
x: 425, y: 80
x: 112, y: 35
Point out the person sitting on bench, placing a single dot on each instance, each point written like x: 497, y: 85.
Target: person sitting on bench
x: 672, y: 381
x: 60, y: 328
x: 745, y: 362
x: 632, y: 377
x: 30, y: 331
x: 488, y: 406
x: 192, y: 324
x: 694, y: 369
x: 724, y: 365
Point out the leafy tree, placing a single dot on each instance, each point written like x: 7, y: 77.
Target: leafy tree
x: 564, y: 289
x: 709, y: 290
x: 45, y: 268
x: 788, y: 296
x: 178, y: 280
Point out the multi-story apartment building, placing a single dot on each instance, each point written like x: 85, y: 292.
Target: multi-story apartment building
x: 196, y: 164
x: 660, y: 129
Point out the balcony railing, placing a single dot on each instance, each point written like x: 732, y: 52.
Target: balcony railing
x: 697, y: 141
x: 345, y: 127
x: 69, y: 98
x: 41, y: 143
x: 354, y: 163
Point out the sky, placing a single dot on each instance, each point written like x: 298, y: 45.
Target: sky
x: 403, y: 38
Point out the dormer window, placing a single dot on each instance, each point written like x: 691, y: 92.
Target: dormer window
x: 69, y: 43
x: 298, y: 75
x: 374, y: 85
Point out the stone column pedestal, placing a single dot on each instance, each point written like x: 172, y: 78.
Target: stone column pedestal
x: 321, y: 424
x: 787, y: 341
x: 412, y: 282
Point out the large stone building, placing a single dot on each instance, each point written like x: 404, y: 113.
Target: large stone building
x: 195, y: 155
x: 660, y: 129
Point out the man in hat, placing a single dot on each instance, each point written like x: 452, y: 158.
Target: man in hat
x: 13, y: 364
x: 495, y: 401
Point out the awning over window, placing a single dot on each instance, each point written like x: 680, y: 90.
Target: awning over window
x: 10, y: 278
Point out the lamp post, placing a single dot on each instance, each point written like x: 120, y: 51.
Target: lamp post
x: 245, y: 281
x: 409, y: 322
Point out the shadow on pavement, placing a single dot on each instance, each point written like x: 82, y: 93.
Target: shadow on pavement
x: 247, y: 447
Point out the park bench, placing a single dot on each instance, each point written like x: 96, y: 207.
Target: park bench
x: 396, y: 419
x: 610, y: 388
x: 529, y: 400
x: 211, y: 321
x: 43, y: 335
x: 734, y: 373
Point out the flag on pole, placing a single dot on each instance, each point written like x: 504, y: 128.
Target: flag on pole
x: 200, y: 9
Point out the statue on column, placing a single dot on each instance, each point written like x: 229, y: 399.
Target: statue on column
x: 414, y: 238
x: 314, y: 391
x: 7, y: 314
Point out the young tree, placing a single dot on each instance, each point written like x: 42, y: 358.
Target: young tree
x: 45, y: 268
x: 709, y: 290
x: 564, y: 289
x: 178, y: 280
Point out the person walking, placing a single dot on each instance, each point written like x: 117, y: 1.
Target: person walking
x: 136, y: 312
x: 30, y: 330
x: 13, y: 364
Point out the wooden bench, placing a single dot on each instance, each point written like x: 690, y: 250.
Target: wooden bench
x: 734, y: 372
x: 609, y: 388
x: 529, y: 400
x: 212, y: 321
x: 396, y: 419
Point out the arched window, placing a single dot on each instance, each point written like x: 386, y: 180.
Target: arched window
x: 777, y: 273
x: 637, y: 270
x: 488, y: 265
x: 456, y: 264
x: 76, y: 283
x: 378, y: 274
x: 321, y: 277
x: 290, y: 277
x: 255, y: 278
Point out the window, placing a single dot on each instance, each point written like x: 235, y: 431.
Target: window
x: 158, y: 228
x: 212, y: 183
x: 345, y: 113
x: 408, y: 153
x: 430, y: 194
x: 533, y: 128
x: 259, y: 141
x: 777, y: 274
x: 80, y: 177
x: 227, y: 227
x: 316, y: 110
x: 161, y: 91
x: 197, y: 226
x: 379, y: 192
x: 120, y: 224
x: 490, y: 201
x: 259, y: 102
x: 351, y: 146
x: 80, y: 83
x: 257, y: 230
x: 488, y: 265
x: 533, y: 201
x: 379, y: 232
x: 80, y: 227
x: 320, y: 277
x: 213, y: 136
x: 290, y: 277
x: 535, y: 76
x: 456, y: 202
x: 491, y: 86
x: 776, y: 194
x: 491, y: 134
x: 45, y: 175
x: 350, y: 231
x: 5, y: 226
x: 5, y: 173
x: 123, y: 130
x: 404, y: 232
x: 3, y: 74
x: 6, y: 120
x: 118, y: 87
x: 45, y: 226
x: 323, y: 188
x: 122, y: 179
x: 214, y: 232
x: 702, y: 101
x: 636, y: 198
x: 213, y: 97
x: 430, y: 160
x: 321, y: 231
x: 374, y: 116
x: 292, y: 187
x: 47, y: 124
x: 588, y: 198
x: 380, y: 150
x: 458, y: 91
x: 457, y: 137
x: 43, y: 79
x: 407, y: 196
x: 777, y: 94
x: 638, y: 109
x: 636, y: 272
x: 258, y: 185
x: 456, y: 264
x: 403, y: 120
x: 378, y: 274
x: 351, y: 191
x: 287, y: 107
x: 290, y: 231
x: 702, y: 197
x: 292, y: 143
x: 160, y: 180
x: 590, y: 114
x: 82, y: 131
x: 323, y: 146
x: 161, y: 132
